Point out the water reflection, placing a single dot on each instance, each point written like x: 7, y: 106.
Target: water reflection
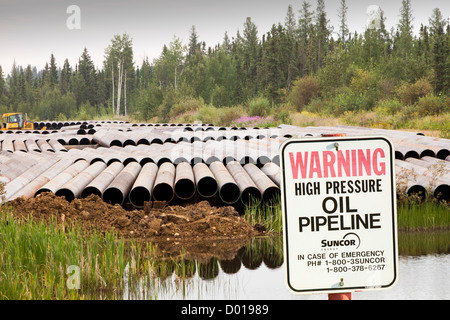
x: 254, y: 271
x: 192, y: 275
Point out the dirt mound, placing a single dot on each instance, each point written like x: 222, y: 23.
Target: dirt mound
x: 156, y: 222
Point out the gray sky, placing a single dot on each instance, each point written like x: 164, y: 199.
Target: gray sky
x: 30, y: 30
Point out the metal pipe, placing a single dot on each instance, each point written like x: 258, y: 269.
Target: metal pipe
x: 7, y: 145
x: 269, y: 190
x: 118, y: 190
x: 437, y: 161
x: 103, y: 180
x: 43, y: 145
x: 31, y: 145
x: 25, y: 178
x: 229, y: 191
x: 410, y: 187
x: 56, y: 145
x: 73, y: 188
x: 272, y: 171
x: 184, y: 184
x: 141, y: 189
x: 58, y: 181
x: 31, y: 188
x: 204, y: 179
x: 439, y: 186
x: 163, y: 187
x: 250, y: 194
x: 19, y: 145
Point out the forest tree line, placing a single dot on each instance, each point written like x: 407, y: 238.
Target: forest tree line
x: 303, y: 62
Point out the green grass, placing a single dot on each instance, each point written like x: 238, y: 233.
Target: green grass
x: 35, y: 257
x: 268, y: 215
x: 412, y: 215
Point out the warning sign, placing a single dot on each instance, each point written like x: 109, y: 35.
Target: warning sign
x: 339, y: 211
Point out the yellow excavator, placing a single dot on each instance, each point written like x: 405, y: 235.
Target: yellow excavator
x: 16, y: 121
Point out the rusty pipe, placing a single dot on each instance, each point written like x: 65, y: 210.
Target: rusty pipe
x: 163, y: 187
x: 184, y: 184
x: 439, y: 186
x: 103, y: 180
x: 73, y: 188
x: 229, y: 191
x: 25, y: 178
x: 272, y: 171
x: 141, y: 189
x: 43, y: 145
x: 269, y: 190
x: 19, y: 145
x: 31, y: 145
x: 250, y: 194
x: 31, y: 188
x: 117, y: 191
x: 410, y: 187
x: 204, y: 179
x: 59, y: 180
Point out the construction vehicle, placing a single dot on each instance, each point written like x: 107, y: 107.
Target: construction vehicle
x: 16, y: 121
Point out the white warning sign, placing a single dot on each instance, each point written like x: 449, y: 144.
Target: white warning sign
x: 339, y: 211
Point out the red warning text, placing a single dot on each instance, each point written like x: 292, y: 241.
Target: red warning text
x: 341, y: 163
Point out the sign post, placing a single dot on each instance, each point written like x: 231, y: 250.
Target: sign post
x: 339, y: 214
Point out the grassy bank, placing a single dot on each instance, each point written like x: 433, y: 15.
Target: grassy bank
x: 41, y: 260
x: 412, y: 215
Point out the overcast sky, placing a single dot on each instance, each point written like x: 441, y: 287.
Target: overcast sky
x: 30, y: 30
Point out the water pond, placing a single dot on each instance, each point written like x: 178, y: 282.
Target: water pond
x: 256, y: 272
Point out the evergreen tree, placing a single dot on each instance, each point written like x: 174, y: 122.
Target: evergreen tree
x: 64, y: 80
x: 2, y: 86
x: 86, y: 70
x: 322, y: 32
x: 343, y: 28
x: 439, y: 51
x: 53, y: 72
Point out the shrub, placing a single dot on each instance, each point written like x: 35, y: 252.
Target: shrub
x: 283, y: 113
x: 323, y: 107
x: 207, y: 114
x: 409, y: 94
x: 259, y: 106
x: 430, y: 105
x: 186, y: 105
x: 303, y: 91
x: 390, y: 107
x: 229, y: 114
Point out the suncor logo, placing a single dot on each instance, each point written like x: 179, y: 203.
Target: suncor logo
x: 349, y: 240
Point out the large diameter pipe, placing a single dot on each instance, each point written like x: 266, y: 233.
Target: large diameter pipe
x: 229, y: 191
x: 74, y: 187
x: 163, y: 188
x: 103, y: 180
x: 31, y: 188
x: 62, y: 178
x: 439, y: 187
x: 408, y: 186
x: 118, y: 190
x: 184, y: 184
x: 26, y: 177
x: 31, y: 145
x: 204, y: 179
x: 250, y: 194
x: 272, y: 171
x: 269, y: 190
x: 141, y: 189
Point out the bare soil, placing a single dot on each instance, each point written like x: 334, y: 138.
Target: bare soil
x: 156, y: 222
